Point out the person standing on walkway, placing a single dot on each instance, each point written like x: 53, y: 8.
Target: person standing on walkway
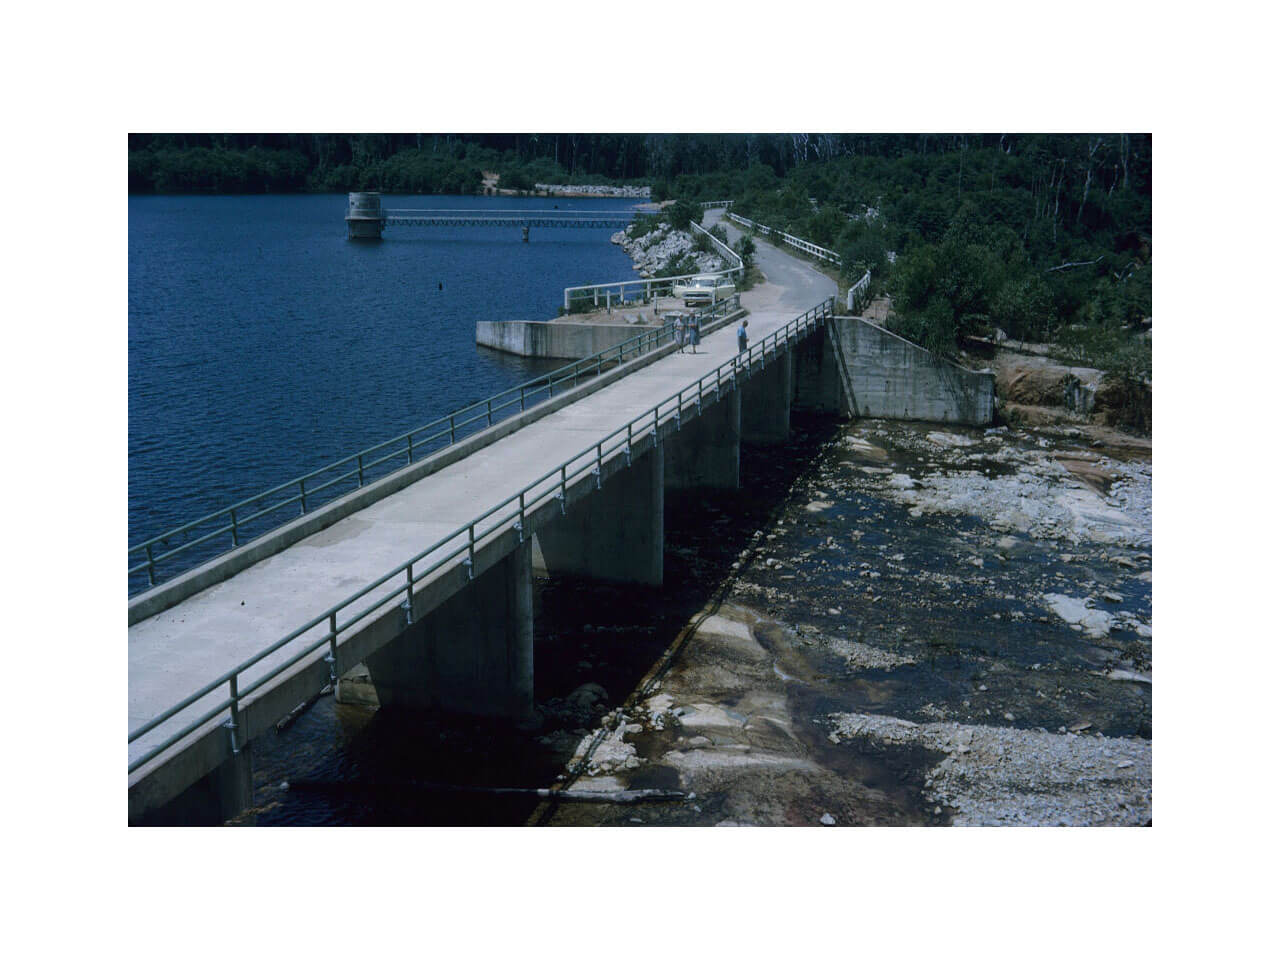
x: 683, y: 333
x: 742, y: 336
x: 695, y: 335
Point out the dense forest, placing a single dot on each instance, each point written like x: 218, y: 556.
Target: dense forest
x: 1041, y: 236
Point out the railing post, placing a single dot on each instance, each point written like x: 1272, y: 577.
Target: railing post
x: 233, y: 724
x: 360, y: 468
x: 452, y: 434
x: 408, y: 595
x: 235, y: 530
x: 489, y: 410
x: 332, y: 657
x: 151, y: 567
x: 302, y: 495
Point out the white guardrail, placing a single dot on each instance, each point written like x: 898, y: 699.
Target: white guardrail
x: 822, y: 253
x: 857, y: 296
x: 618, y: 291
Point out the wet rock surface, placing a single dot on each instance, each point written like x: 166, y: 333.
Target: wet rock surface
x: 889, y: 623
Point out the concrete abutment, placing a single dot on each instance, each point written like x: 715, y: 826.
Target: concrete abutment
x: 887, y: 376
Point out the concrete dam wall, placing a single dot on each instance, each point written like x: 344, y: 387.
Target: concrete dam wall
x: 564, y: 341
x: 883, y: 375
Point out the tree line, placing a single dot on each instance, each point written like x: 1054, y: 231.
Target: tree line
x: 1042, y: 236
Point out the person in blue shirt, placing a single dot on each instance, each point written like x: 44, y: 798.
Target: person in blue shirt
x: 695, y: 335
x: 742, y: 337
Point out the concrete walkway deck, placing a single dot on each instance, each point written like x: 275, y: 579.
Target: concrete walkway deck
x: 174, y: 653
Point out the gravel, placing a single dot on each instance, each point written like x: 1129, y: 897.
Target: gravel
x: 998, y: 776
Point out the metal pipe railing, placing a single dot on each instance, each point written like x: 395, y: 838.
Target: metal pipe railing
x: 362, y: 467
x: 686, y: 401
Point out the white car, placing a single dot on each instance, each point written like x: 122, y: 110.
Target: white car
x: 704, y: 288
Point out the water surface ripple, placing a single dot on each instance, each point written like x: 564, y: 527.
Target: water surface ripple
x: 263, y: 344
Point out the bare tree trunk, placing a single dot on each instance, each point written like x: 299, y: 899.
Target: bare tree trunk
x: 1057, y: 197
x: 1078, y: 263
x: 1088, y: 179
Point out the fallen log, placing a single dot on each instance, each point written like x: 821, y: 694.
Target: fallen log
x: 292, y: 716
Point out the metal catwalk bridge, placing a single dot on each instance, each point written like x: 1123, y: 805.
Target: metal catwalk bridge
x: 507, y: 218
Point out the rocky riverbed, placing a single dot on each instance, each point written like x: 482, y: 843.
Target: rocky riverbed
x: 889, y: 623
x: 939, y: 626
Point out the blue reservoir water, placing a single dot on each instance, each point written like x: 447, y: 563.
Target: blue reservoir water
x: 263, y: 344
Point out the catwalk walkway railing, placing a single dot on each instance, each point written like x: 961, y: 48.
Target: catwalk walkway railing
x: 459, y: 547
x: 218, y: 533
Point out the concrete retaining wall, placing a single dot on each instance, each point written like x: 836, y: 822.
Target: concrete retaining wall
x: 886, y: 376
x: 565, y: 341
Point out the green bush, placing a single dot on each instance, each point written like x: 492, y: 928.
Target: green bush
x: 678, y: 266
x: 644, y: 225
x: 681, y: 213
